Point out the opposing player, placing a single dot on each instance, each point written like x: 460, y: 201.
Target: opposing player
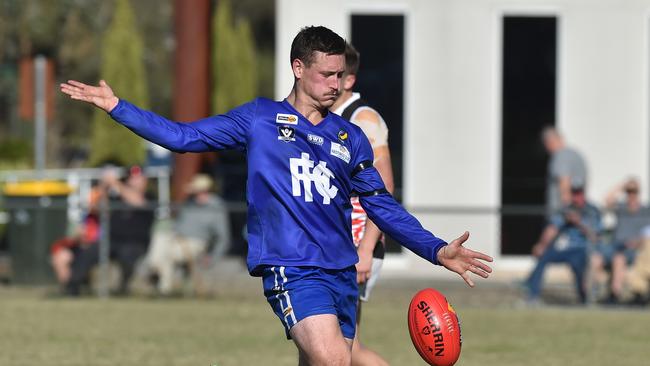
x: 365, y: 234
x: 303, y: 165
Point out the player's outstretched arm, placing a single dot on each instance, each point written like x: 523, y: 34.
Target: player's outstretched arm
x: 395, y: 221
x: 456, y: 258
x: 101, y: 96
x: 226, y: 131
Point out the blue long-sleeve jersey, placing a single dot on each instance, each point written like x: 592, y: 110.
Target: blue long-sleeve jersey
x: 300, y: 177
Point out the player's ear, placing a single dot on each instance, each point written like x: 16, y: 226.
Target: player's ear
x: 349, y: 81
x: 298, y: 67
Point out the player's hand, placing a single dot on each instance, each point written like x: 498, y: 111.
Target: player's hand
x: 364, y: 267
x: 101, y: 96
x: 456, y: 258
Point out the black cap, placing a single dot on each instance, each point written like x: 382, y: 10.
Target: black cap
x: 578, y: 189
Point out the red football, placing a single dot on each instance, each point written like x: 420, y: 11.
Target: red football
x: 434, y: 328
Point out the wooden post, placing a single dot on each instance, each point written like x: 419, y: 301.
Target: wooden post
x: 191, y: 80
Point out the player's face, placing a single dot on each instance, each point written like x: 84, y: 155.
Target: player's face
x: 322, y: 79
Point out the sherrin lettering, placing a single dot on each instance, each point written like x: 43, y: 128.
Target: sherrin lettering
x: 434, y: 328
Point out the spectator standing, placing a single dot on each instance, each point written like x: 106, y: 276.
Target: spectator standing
x: 566, y: 169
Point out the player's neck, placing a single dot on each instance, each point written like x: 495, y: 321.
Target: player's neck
x: 307, y: 107
x: 347, y: 94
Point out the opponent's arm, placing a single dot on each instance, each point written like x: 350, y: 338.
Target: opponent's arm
x: 382, y: 164
x: 372, y: 234
x: 376, y: 131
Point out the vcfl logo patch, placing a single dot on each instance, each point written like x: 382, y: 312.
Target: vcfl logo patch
x: 304, y: 173
x: 286, y: 133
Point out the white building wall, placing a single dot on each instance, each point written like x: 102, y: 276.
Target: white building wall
x: 453, y: 96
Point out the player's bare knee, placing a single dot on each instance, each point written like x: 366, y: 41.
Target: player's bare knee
x: 327, y: 357
x: 343, y: 358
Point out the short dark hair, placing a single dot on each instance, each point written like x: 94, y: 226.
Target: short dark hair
x: 315, y: 38
x: 352, y: 59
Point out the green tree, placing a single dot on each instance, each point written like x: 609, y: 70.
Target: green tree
x: 79, y: 53
x: 233, y: 63
x: 123, y: 67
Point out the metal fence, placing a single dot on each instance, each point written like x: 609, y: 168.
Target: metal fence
x: 510, y: 217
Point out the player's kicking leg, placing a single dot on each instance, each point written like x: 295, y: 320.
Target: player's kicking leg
x: 317, y: 308
x: 320, y: 341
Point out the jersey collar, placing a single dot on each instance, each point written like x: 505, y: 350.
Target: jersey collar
x: 350, y: 100
x: 288, y: 105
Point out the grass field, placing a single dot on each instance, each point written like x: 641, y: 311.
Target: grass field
x: 238, y: 328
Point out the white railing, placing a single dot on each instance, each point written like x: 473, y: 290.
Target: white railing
x: 81, y: 181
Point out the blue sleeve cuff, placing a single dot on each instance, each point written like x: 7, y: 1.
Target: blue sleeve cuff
x: 435, y: 259
x: 116, y: 109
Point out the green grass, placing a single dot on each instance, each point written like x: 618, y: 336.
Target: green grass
x: 238, y: 328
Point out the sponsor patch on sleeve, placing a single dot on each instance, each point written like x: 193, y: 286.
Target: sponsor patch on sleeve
x: 340, y: 152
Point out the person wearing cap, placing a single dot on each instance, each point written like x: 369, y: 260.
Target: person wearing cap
x: 202, y: 220
x: 631, y: 217
x: 566, y: 239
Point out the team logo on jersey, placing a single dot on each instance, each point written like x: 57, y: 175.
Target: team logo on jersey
x: 286, y: 133
x: 343, y: 135
x: 340, y: 152
x: 315, y: 139
x: 290, y: 119
x: 304, y: 173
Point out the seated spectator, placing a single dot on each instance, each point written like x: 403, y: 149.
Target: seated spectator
x: 201, y: 220
x: 631, y: 218
x: 566, y: 239
x: 638, y: 277
x: 129, y: 234
x: 64, y: 250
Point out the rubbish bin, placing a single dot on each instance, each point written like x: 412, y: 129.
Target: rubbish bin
x: 37, y: 217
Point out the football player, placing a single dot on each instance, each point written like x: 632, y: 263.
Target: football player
x: 303, y: 165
